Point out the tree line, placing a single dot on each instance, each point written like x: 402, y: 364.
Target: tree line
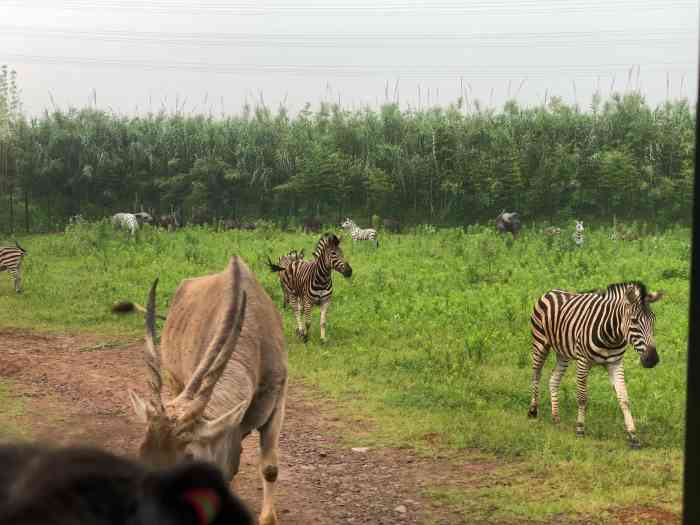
x: 620, y: 157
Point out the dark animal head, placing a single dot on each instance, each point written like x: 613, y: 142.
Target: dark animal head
x: 640, y: 322
x: 329, y: 250
x: 86, y: 485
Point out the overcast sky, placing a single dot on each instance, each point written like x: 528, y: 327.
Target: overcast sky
x: 211, y: 54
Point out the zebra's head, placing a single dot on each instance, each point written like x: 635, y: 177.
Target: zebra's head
x: 640, y: 333
x: 330, y: 252
x: 348, y: 224
x: 579, y: 227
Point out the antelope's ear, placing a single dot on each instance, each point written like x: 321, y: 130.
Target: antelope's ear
x: 144, y: 410
x: 233, y: 418
x: 652, y: 297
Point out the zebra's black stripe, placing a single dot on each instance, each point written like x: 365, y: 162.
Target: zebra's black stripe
x: 592, y: 328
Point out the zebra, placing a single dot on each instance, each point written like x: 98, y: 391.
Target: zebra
x: 592, y: 328
x: 285, y: 261
x: 308, y: 283
x: 578, y: 234
x: 127, y: 221
x: 359, y: 234
x: 552, y: 231
x: 11, y: 262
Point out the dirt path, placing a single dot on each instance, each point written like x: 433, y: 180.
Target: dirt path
x: 74, y: 391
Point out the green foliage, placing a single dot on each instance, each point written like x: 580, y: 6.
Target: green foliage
x: 432, y: 166
x: 430, y: 337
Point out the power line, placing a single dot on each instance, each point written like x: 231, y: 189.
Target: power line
x: 515, y: 8
x: 672, y: 36
x: 490, y: 72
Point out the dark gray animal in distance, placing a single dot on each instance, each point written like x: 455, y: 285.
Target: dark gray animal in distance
x: 508, y: 222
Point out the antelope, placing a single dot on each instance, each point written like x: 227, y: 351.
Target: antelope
x: 223, y: 355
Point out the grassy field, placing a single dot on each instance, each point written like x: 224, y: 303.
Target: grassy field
x: 430, y: 340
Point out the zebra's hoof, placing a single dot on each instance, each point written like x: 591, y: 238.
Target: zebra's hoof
x: 532, y: 413
x: 634, y: 443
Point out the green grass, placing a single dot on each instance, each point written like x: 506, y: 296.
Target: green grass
x: 430, y: 340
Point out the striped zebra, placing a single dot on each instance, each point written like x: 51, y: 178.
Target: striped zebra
x: 308, y: 283
x: 591, y: 328
x: 11, y: 262
x: 285, y: 261
x: 578, y: 234
x: 126, y: 221
x: 359, y: 234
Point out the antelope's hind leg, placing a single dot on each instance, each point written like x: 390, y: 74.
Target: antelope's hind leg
x: 269, y: 469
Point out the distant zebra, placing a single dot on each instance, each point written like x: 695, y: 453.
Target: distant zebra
x: 552, y: 231
x: 11, y: 262
x: 578, y: 234
x: 285, y: 261
x: 127, y: 221
x: 592, y: 328
x: 308, y: 283
x: 359, y: 234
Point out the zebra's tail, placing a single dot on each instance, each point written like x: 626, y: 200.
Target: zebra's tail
x: 125, y: 307
x: 274, y: 267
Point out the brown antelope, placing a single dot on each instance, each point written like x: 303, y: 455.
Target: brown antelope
x: 223, y: 355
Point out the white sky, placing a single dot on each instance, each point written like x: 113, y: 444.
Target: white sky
x: 139, y: 55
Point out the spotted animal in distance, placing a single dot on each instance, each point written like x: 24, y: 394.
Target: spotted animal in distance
x: 125, y: 221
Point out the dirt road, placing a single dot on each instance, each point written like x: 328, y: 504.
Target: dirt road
x: 73, y: 389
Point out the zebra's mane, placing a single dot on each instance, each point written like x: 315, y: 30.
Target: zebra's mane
x: 615, y: 288
x: 323, y: 243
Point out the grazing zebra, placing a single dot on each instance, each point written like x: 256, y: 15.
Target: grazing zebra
x: 359, y: 234
x: 11, y: 261
x: 552, y: 231
x: 308, y: 283
x: 578, y: 234
x: 592, y: 328
x: 285, y: 261
x: 127, y: 221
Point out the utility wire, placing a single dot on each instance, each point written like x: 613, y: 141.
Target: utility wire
x: 412, y: 72
x: 671, y: 36
x: 515, y: 8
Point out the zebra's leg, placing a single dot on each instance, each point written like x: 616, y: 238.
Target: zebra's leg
x: 17, y: 275
x: 539, y: 356
x: 324, y: 309
x: 582, y: 369
x: 297, y: 306
x: 616, y: 373
x: 554, y: 382
x: 307, y: 318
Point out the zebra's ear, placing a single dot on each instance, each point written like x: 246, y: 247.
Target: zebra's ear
x: 652, y: 297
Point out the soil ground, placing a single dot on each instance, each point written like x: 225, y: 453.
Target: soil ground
x: 74, y: 390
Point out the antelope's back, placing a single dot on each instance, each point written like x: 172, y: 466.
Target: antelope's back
x: 196, y: 314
